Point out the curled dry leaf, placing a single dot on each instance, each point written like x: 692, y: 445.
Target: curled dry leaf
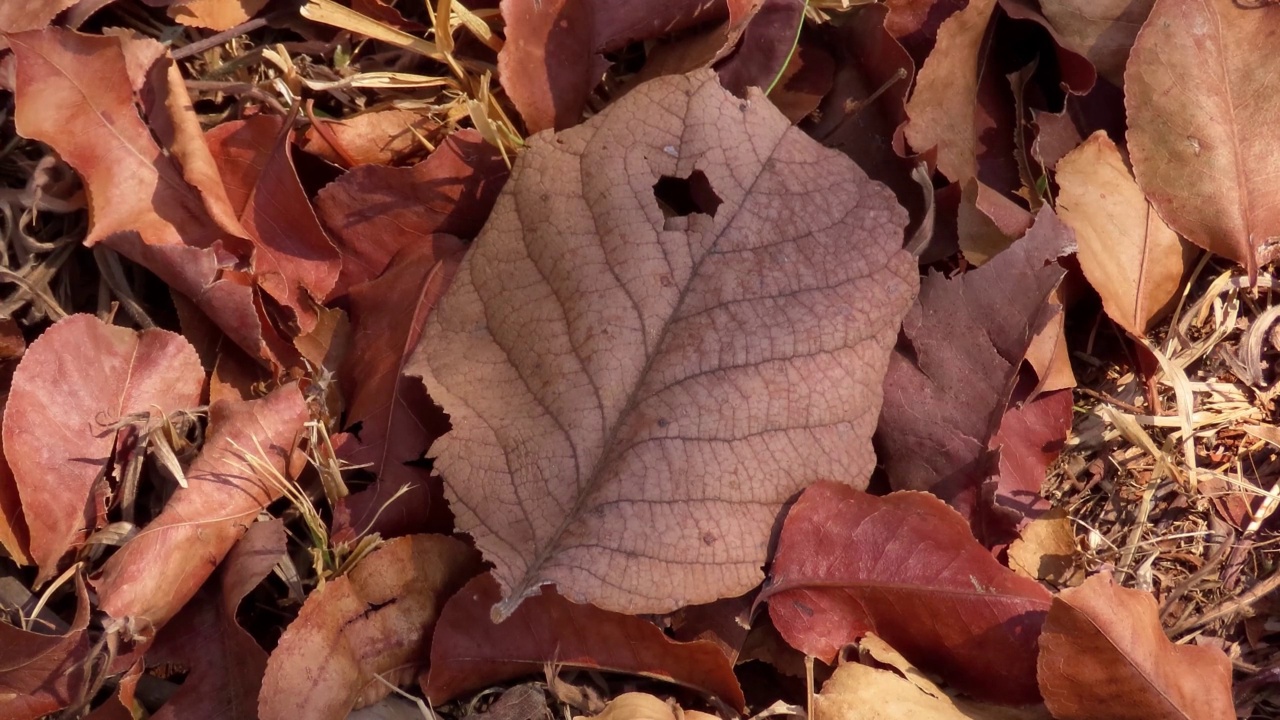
x: 20, y: 15
x: 1201, y: 78
x: 375, y: 212
x: 905, y: 567
x: 1031, y: 437
x: 669, y: 326
x: 397, y: 421
x: 79, y: 380
x: 470, y: 652
x: 1134, y: 261
x: 376, y: 620
x: 292, y: 257
x: 160, y: 569
x: 75, y: 92
x: 224, y: 663
x: 950, y: 381
x: 1104, y: 655
x: 386, y: 136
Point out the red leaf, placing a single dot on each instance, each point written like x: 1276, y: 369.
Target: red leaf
x: 375, y: 212
x: 160, y: 569
x: 377, y: 619
x: 1030, y: 438
x: 397, y: 420
x: 906, y: 568
x: 75, y: 382
x: 470, y: 651
x: 41, y: 674
x: 949, y: 383
x: 224, y: 663
x: 75, y: 92
x: 1103, y: 655
x: 292, y: 252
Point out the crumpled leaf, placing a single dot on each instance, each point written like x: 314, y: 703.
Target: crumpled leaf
x: 397, y: 421
x: 470, y: 652
x: 41, y: 674
x: 635, y: 396
x: 376, y: 619
x: 76, y: 93
x: 224, y: 663
x: 160, y: 569
x: 1134, y: 261
x: 1101, y: 30
x: 293, y: 259
x: 80, y: 378
x: 950, y: 380
x: 375, y: 212
x: 1200, y: 79
x: 906, y: 568
x: 1104, y: 655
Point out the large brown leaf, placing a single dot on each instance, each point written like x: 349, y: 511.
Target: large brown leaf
x: 636, y: 391
x: 81, y: 378
x: 906, y: 568
x: 470, y: 652
x: 1103, y: 654
x: 1202, y: 81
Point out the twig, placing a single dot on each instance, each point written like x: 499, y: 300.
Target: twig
x: 1232, y: 606
x: 213, y: 41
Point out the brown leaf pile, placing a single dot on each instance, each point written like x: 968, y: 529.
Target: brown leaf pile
x: 638, y: 360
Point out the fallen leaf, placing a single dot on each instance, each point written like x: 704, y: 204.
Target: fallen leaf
x: 805, y: 81
x: 643, y: 706
x: 860, y: 691
x: 950, y: 381
x: 1104, y: 655
x: 768, y: 41
x: 378, y: 137
x: 849, y: 563
x: 160, y: 569
x: 1134, y: 261
x: 1102, y: 31
x: 376, y: 620
x: 224, y: 663
x: 14, y: 537
x: 588, y: 347
x: 470, y: 652
x: 77, y: 381
x: 217, y: 15
x: 397, y: 421
x: 375, y: 212
x: 1031, y: 437
x: 20, y: 15
x: 915, y: 23
x: 42, y: 674
x: 292, y: 255
x: 945, y: 101
x: 1046, y: 549
x: 553, y: 55
x: 1199, y: 80
x: 74, y: 92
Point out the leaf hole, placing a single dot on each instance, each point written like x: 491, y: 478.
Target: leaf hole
x: 681, y: 197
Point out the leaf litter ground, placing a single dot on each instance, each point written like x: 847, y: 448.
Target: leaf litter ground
x: 1165, y: 483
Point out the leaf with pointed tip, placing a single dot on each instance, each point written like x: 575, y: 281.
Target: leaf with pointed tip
x: 639, y: 378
